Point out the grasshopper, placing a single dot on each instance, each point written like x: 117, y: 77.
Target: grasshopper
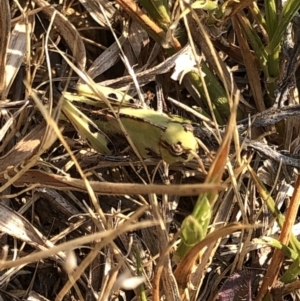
x: 154, y: 134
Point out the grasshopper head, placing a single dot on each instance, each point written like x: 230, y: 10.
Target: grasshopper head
x: 176, y: 143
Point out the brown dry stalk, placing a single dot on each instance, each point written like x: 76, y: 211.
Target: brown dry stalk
x: 4, y: 39
x: 278, y: 257
x: 42, y: 179
x: 150, y: 26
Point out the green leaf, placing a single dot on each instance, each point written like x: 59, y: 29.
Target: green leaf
x: 271, y: 17
x: 159, y: 11
x: 194, y: 226
x: 290, y: 8
x: 292, y: 273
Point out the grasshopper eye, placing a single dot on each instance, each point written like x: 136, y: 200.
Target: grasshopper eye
x: 176, y: 149
x: 177, y: 143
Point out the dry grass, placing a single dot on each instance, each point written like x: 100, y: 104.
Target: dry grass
x: 80, y: 225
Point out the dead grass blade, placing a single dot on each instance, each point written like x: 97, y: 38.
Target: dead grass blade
x: 23, y: 150
x: 9, y: 129
x: 146, y: 76
x: 17, y: 50
x: 17, y: 226
x: 106, y: 236
x: 251, y: 68
x: 106, y: 59
x: 68, y: 31
x: 24, y: 155
x: 5, y: 20
x: 42, y: 179
x: 138, y: 39
x: 131, y: 223
x: 92, y: 7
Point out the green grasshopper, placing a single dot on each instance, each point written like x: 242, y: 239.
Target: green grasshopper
x: 154, y: 134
